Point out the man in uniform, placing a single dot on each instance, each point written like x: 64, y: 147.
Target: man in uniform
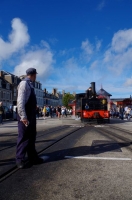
x: 26, y: 107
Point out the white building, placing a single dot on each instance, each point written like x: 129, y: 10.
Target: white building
x: 39, y: 93
x: 50, y: 99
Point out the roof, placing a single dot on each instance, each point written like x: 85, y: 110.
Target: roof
x: 8, y: 73
x: 120, y: 99
x: 4, y: 81
x: 103, y: 93
x: 71, y: 102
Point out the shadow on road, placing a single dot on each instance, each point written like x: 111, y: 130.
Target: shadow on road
x: 86, y: 150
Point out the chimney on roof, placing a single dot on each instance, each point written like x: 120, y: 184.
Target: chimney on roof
x: 74, y: 94
x: 63, y: 92
x: 54, y: 91
x: 44, y: 90
x: 1, y: 74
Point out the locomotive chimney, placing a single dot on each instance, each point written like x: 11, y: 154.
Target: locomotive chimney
x: 93, y: 88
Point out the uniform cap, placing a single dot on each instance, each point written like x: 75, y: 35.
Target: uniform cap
x: 31, y: 71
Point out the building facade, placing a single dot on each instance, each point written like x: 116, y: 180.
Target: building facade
x: 50, y: 98
x: 5, y: 92
x: 117, y: 102
x: 13, y: 82
x: 39, y: 93
x: 8, y: 91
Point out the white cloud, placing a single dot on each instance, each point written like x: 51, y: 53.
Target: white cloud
x: 98, y: 45
x: 122, y: 40
x: 17, y: 39
x: 87, y: 50
x: 101, y: 5
x: 94, y: 65
x: 110, y: 67
x: 128, y: 82
x: 53, y: 41
x: 80, y: 66
x: 45, y: 44
x: 87, y: 47
x: 118, y: 57
x: 40, y: 58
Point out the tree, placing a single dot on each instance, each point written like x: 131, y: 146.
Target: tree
x: 67, y: 97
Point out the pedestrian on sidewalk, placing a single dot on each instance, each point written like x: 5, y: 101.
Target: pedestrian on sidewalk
x: 122, y: 112
x: 65, y: 112
x: 44, y: 112
x: 128, y: 113
x: 59, y: 112
x: 47, y: 110
x: 50, y: 111
x: 1, y: 113
x: 37, y: 112
x: 54, y: 112
x: 26, y: 106
x: 62, y: 111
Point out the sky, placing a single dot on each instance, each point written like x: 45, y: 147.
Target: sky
x: 71, y: 43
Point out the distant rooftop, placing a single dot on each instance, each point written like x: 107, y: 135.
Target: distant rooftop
x: 103, y: 93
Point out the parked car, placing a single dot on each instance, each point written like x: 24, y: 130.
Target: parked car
x: 8, y: 114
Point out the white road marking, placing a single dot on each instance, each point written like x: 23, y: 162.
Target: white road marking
x: 96, y: 158
x: 76, y: 126
x: 100, y: 126
x: 45, y: 157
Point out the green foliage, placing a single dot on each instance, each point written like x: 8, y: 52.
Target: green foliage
x: 67, y: 97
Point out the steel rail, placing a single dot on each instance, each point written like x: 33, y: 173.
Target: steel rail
x: 15, y: 169
x: 36, y: 137
x: 112, y: 135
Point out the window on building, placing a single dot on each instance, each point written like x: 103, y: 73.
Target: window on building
x: 15, y: 80
x: 3, y: 95
x: 8, y: 86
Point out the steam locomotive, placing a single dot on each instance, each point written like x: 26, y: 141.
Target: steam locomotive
x: 90, y: 108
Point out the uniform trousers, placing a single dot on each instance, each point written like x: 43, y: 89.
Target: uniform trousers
x: 26, y: 141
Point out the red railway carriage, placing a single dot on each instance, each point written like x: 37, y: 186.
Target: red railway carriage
x: 91, y: 108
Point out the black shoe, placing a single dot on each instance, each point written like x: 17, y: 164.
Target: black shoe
x: 20, y: 164
x: 37, y: 161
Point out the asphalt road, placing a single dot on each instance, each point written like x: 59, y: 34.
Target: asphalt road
x: 93, y: 163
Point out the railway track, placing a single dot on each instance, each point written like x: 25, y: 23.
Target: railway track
x: 110, y: 133
x: 105, y: 131
x: 45, y: 133
x: 14, y: 169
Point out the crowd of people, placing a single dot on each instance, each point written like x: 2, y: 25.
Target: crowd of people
x: 121, y: 112
x: 50, y: 111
